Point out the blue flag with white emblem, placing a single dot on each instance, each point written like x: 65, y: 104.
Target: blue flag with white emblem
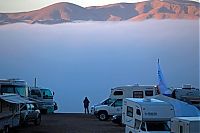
x: 161, y: 82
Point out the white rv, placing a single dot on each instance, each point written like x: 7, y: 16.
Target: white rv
x: 185, y: 125
x: 188, y: 94
x: 104, y: 111
x: 13, y: 86
x: 146, y: 115
x: 135, y: 91
x: 10, y: 111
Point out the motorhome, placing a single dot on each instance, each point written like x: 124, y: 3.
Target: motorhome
x: 138, y: 114
x: 104, y: 111
x: 46, y: 102
x: 185, y: 125
x: 135, y: 91
x: 10, y: 111
x: 13, y: 86
x: 188, y: 94
x: 146, y: 115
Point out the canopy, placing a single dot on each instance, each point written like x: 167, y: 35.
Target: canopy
x: 13, y: 98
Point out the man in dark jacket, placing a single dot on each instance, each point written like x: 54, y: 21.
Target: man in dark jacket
x: 86, y: 104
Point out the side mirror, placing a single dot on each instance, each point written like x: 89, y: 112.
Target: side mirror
x: 53, y: 93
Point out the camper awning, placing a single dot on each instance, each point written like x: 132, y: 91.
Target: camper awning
x: 12, y: 98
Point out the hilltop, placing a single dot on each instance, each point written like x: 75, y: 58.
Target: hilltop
x: 68, y: 12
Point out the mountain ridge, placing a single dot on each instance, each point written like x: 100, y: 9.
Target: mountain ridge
x: 68, y: 12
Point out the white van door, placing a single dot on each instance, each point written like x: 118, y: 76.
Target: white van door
x: 116, y: 107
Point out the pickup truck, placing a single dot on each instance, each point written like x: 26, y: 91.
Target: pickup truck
x: 30, y: 113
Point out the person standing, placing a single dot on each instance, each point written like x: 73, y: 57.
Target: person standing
x: 86, y: 105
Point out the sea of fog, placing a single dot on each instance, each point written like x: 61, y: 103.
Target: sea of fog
x: 87, y: 59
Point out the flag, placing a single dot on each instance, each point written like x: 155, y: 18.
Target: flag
x: 161, y: 82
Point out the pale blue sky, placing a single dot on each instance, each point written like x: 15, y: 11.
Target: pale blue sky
x: 27, y: 5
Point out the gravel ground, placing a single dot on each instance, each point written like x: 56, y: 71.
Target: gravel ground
x: 71, y: 123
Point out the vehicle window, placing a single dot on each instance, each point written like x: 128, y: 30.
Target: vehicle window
x: 7, y: 89
x: 47, y: 94
x: 117, y: 103
x: 137, y: 124
x: 157, y: 126
x: 21, y: 90
x: 143, y: 128
x: 138, y: 112
x: 116, y: 93
x: 181, y: 129
x: 23, y: 106
x: 108, y: 101
x: 137, y: 94
x: 129, y: 111
x: 36, y: 93
x: 28, y: 106
x: 149, y: 93
x: 32, y: 107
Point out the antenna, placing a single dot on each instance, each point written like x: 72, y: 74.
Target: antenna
x: 35, y: 82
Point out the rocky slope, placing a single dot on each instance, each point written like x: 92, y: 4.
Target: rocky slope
x: 68, y: 12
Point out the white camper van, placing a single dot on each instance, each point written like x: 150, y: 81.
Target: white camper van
x: 185, y: 125
x: 103, y: 112
x: 135, y: 91
x: 146, y: 115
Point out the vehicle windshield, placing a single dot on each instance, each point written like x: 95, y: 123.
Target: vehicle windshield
x: 157, y: 126
x: 108, y: 101
x: 20, y: 90
x: 47, y: 94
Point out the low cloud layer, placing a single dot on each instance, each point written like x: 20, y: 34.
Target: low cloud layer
x: 87, y: 59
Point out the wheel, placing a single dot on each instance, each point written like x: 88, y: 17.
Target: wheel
x: 103, y: 116
x: 38, y: 120
x: 6, y: 129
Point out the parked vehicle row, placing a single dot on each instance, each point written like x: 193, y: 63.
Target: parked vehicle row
x: 142, y: 109
x: 43, y: 97
x: 113, y: 105
x: 20, y: 104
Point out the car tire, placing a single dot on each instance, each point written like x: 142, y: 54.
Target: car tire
x: 103, y: 116
x: 38, y: 120
x: 6, y: 129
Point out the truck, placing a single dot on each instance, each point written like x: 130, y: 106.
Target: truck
x: 29, y: 112
x: 185, y: 125
x: 105, y: 111
x: 42, y: 96
x: 46, y: 102
x: 146, y: 115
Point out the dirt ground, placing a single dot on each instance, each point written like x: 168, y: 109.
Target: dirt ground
x: 71, y: 123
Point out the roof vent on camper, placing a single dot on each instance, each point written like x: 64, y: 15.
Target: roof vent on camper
x: 187, y: 86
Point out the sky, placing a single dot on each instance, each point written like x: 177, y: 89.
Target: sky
x: 28, y: 5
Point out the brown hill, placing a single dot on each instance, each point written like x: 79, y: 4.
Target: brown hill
x: 68, y: 12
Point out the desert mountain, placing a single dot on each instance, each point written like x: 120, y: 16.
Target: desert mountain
x: 68, y: 12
